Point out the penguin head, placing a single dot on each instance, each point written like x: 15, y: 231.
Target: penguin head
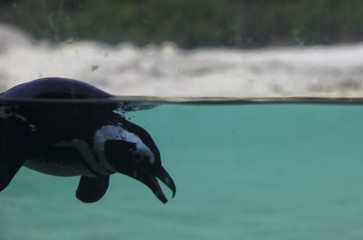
x: 130, y: 150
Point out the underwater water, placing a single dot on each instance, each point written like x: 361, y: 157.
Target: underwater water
x: 242, y: 171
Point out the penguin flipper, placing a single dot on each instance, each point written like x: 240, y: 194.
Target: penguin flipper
x: 14, y: 147
x: 92, y: 189
x: 8, y: 169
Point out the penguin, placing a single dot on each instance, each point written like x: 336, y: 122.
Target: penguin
x: 44, y: 131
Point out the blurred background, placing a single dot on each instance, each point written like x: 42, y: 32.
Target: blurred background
x: 268, y: 47
x: 190, y: 23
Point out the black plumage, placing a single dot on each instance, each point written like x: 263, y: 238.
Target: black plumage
x: 43, y: 130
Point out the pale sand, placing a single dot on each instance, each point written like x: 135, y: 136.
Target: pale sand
x: 168, y: 71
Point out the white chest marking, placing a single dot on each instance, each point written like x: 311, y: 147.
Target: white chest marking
x: 112, y: 132
x: 101, y: 166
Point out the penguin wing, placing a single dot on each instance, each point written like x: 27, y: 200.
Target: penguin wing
x: 8, y: 168
x: 92, y: 189
x: 15, y: 145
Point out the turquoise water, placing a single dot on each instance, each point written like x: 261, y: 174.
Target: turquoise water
x: 267, y: 171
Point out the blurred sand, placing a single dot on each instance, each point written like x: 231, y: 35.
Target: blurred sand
x: 167, y: 71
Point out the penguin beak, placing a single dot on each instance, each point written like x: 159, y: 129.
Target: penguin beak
x: 149, y: 178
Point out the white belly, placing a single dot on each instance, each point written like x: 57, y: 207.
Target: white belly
x: 85, y: 163
x: 58, y: 168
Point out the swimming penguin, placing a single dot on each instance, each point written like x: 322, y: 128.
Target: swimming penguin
x: 91, y: 139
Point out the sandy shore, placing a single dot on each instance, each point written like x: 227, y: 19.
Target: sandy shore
x: 168, y: 71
